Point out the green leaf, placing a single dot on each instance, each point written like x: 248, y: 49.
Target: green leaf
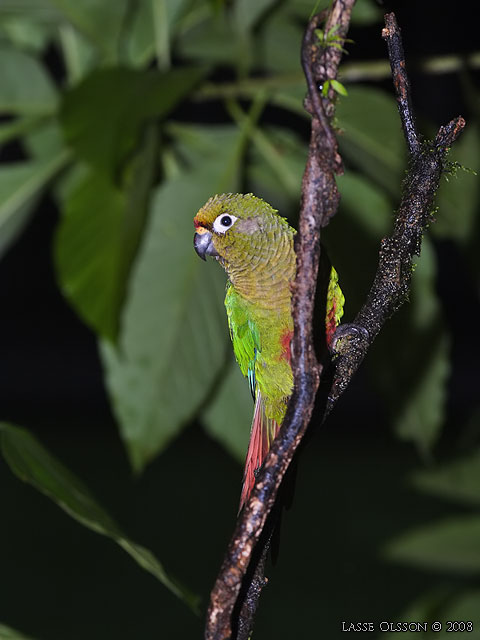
x: 45, y: 140
x: 38, y: 10
x: 140, y: 44
x: 25, y: 87
x: 211, y: 40
x: 366, y: 204
x: 248, y: 12
x: 152, y: 29
x: 103, y: 115
x: 79, y: 54
x: 449, y: 545
x: 422, y: 415
x: 459, y: 194
x: 98, y: 236
x: 20, y: 187
x: 173, y: 335
x: 197, y: 143
x: 371, y: 136
x: 465, y: 607
x: 33, y: 464
x: 228, y: 417
x: 366, y: 12
x: 17, y: 127
x: 458, y: 481
x: 88, y: 252
x: 325, y: 87
x: 7, y: 633
x: 277, y: 161
x: 281, y: 36
x: 305, y: 9
x: 441, y: 605
x: 438, y: 604
x: 291, y: 96
x: 27, y: 34
x: 100, y: 22
x: 339, y: 88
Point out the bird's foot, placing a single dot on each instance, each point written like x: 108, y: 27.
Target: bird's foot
x: 349, y: 336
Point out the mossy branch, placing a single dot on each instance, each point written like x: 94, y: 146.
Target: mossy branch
x: 239, y: 584
x: 391, y: 285
x: 235, y: 596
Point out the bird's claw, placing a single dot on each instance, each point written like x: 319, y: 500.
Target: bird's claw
x: 347, y: 333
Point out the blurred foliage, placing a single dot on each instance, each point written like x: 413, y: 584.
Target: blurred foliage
x: 7, y: 633
x: 130, y: 114
x: 33, y: 464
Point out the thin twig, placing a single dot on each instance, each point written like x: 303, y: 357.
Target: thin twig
x: 391, y: 34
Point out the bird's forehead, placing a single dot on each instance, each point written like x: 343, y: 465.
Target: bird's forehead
x: 212, y: 209
x: 208, y: 212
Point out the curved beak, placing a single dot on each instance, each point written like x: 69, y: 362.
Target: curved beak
x: 202, y: 241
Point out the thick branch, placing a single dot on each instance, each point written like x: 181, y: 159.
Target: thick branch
x: 243, y: 567
x: 319, y: 203
x: 392, y: 280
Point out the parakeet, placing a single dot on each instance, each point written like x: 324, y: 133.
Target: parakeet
x: 255, y: 247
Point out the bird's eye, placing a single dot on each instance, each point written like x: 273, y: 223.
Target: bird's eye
x: 223, y: 222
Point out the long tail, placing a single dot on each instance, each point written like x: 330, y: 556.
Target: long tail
x: 262, y: 434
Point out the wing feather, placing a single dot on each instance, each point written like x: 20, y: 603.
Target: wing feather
x: 244, y: 335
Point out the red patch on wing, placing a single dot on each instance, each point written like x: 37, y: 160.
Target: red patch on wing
x: 331, y: 324
x: 196, y: 223
x: 285, y: 341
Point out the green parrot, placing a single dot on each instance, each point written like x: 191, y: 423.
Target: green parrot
x: 255, y: 247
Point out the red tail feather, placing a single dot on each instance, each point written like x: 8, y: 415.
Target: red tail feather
x: 262, y: 434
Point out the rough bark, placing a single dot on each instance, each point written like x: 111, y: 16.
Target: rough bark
x: 235, y: 595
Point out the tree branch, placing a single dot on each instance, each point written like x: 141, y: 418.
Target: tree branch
x: 392, y: 280
x: 239, y: 584
x: 245, y: 554
x: 391, y: 34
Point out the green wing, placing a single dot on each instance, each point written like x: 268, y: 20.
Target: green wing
x: 246, y: 346
x: 244, y: 334
x: 334, y: 307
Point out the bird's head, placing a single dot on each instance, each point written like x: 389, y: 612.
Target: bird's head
x: 233, y: 227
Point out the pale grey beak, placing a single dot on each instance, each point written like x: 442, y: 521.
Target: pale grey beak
x: 203, y: 245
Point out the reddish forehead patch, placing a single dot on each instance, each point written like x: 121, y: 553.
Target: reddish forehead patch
x: 201, y: 225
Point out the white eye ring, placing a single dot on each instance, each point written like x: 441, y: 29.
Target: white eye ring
x: 224, y: 222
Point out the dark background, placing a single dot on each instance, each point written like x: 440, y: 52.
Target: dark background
x: 61, y: 581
